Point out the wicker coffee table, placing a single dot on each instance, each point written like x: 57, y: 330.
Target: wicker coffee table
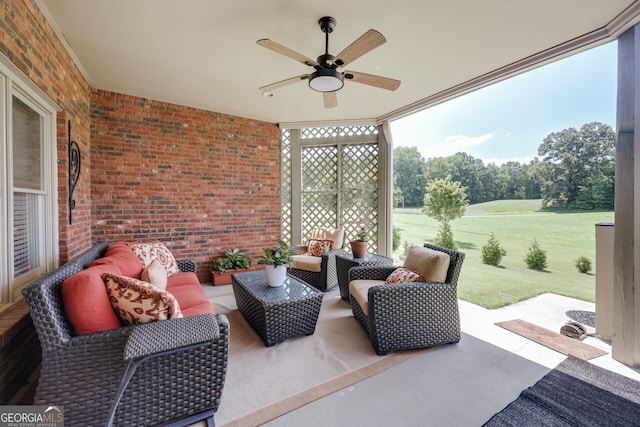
x: 277, y: 313
x: 345, y: 261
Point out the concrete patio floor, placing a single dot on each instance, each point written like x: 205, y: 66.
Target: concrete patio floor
x: 457, y: 385
x: 462, y: 384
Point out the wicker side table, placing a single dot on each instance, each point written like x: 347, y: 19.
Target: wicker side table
x: 345, y: 261
x: 276, y: 313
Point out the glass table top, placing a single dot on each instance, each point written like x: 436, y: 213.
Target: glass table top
x: 255, y: 282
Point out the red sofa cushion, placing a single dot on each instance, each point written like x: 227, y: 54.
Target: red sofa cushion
x: 120, y: 254
x: 86, y: 302
x: 188, y: 291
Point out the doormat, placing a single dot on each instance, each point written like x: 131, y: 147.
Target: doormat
x: 552, y: 340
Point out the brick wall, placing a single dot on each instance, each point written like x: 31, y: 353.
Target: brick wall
x: 200, y: 181
x: 28, y: 41
x: 31, y: 45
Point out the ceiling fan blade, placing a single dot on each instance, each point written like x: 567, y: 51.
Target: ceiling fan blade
x: 276, y: 85
x: 330, y: 99
x: 277, y: 47
x: 366, y: 43
x: 371, y: 80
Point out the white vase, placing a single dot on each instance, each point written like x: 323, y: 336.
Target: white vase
x: 275, y: 275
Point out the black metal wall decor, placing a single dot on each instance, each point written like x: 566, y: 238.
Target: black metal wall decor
x: 74, y: 172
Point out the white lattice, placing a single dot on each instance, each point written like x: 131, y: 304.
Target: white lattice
x: 285, y: 185
x: 332, y: 194
x: 319, y: 187
x: 359, y: 190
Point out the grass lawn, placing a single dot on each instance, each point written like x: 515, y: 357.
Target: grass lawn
x: 565, y: 235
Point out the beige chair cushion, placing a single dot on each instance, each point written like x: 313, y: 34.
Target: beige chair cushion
x: 431, y: 264
x: 359, y: 289
x: 307, y: 263
x: 334, y: 234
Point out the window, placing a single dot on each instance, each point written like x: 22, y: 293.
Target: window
x: 28, y: 200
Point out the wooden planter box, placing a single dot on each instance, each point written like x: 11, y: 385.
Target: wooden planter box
x: 219, y: 279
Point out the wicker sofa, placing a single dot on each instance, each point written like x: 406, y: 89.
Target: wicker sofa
x: 408, y: 315
x: 168, y: 372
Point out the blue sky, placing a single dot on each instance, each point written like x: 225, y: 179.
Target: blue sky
x: 508, y: 120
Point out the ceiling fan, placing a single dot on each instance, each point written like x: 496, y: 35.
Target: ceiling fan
x: 329, y: 74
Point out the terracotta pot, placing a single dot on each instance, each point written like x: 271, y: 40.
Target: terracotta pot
x: 219, y: 279
x: 359, y: 249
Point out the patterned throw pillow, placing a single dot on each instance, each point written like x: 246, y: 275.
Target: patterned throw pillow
x: 155, y: 274
x: 135, y: 301
x: 319, y: 247
x: 402, y: 274
x: 147, y: 252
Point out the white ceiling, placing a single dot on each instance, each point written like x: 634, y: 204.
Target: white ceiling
x: 203, y: 53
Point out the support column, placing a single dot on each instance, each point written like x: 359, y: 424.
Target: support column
x: 626, y: 290
x: 604, y: 280
x: 385, y: 191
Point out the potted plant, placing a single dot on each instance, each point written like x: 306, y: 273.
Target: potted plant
x: 233, y: 261
x: 275, y: 263
x: 359, y: 244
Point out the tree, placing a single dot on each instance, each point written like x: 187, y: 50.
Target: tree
x: 444, y: 201
x: 536, y: 258
x: 462, y: 168
x: 398, y: 198
x: 570, y: 160
x: 492, y: 252
x: 397, y: 238
x: 598, y: 193
x: 515, y: 180
x: 532, y: 183
x: 408, y: 172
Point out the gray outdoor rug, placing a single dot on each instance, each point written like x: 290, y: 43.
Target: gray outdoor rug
x: 576, y: 393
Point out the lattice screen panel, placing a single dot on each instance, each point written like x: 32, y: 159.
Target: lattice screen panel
x: 308, y: 133
x: 319, y: 187
x: 285, y: 185
x: 332, y: 132
x: 318, y: 210
x: 332, y: 194
x: 359, y: 190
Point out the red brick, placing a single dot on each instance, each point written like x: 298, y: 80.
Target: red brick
x: 202, y: 181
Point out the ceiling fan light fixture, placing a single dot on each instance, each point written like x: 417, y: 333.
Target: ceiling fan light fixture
x: 326, y: 80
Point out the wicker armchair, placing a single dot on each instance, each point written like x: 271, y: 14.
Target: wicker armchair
x: 409, y: 315
x: 319, y: 272
x: 164, y: 373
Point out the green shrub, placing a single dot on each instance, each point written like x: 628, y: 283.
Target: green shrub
x: 405, y: 248
x: 536, y: 258
x: 583, y: 264
x: 445, y: 237
x: 492, y: 252
x: 397, y: 238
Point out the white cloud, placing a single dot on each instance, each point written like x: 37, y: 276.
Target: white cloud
x: 499, y: 162
x: 462, y: 142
